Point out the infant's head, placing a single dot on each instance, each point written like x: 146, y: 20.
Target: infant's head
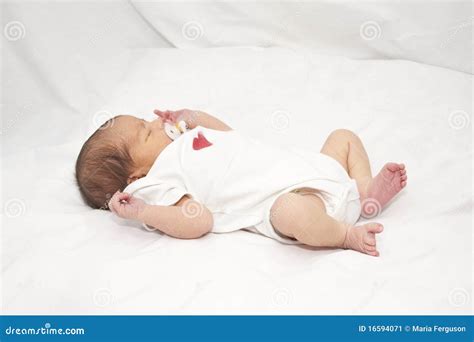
x: 122, y: 150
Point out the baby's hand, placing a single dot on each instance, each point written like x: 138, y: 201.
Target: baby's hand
x: 126, y: 206
x: 187, y: 115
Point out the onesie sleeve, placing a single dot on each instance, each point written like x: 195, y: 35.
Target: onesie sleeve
x: 160, y: 194
x: 156, y: 192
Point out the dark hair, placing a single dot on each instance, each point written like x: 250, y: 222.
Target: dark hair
x: 103, y: 166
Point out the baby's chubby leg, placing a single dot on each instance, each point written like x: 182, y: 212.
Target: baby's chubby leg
x: 345, y: 147
x: 304, y: 218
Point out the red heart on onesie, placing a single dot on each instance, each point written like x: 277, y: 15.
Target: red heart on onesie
x: 200, y: 142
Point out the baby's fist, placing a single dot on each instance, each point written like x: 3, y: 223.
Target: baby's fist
x: 187, y: 115
x: 126, y: 206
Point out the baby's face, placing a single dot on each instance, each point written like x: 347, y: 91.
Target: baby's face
x: 145, y: 140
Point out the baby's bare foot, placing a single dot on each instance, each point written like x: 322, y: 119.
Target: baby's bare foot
x: 362, y: 238
x: 383, y: 187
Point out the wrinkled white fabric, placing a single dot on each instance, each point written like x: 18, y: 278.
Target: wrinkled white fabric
x: 61, y: 257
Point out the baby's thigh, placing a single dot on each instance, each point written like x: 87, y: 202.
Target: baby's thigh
x: 292, y: 212
x: 337, y: 145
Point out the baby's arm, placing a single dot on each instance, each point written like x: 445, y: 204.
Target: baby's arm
x: 187, y: 219
x: 193, y: 118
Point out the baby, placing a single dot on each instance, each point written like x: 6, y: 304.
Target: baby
x: 213, y: 179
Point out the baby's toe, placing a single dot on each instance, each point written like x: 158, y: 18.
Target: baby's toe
x: 373, y: 253
x: 403, y: 184
x: 374, y: 228
x: 369, y: 248
x: 403, y: 178
x: 393, y: 167
x: 369, y: 239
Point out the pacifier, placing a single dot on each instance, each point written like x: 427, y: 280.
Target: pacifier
x: 174, y: 130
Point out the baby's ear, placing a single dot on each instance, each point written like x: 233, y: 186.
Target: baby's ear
x: 137, y: 174
x: 133, y: 178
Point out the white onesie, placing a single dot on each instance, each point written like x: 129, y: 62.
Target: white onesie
x: 238, y: 179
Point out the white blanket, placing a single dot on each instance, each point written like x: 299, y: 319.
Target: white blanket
x: 432, y: 32
x: 60, y: 257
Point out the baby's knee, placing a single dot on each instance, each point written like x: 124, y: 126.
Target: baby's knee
x: 343, y: 135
